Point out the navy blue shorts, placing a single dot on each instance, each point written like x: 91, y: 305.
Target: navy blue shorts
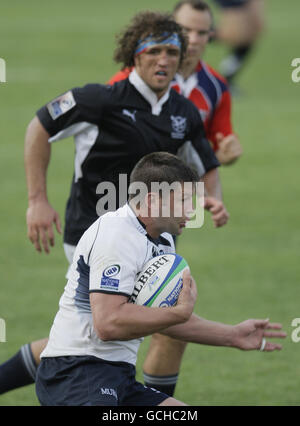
x: 87, y: 380
x: 231, y: 3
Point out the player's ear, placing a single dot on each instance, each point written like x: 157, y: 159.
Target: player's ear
x: 212, y: 35
x: 136, y: 61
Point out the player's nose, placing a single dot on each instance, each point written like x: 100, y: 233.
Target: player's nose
x: 193, y: 37
x: 163, y: 59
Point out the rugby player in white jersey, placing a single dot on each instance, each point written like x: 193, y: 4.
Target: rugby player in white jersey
x: 91, y: 353
x: 113, y: 127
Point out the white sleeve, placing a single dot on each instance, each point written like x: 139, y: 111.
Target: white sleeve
x: 114, y: 259
x: 73, y: 130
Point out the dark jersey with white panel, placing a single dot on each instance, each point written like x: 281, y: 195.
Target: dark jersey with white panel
x: 113, y: 127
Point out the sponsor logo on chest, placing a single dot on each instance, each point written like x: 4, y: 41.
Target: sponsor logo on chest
x: 130, y: 114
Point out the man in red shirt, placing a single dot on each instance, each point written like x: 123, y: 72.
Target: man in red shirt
x: 200, y: 83
x: 209, y: 91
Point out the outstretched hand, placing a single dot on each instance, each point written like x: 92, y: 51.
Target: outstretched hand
x: 252, y: 334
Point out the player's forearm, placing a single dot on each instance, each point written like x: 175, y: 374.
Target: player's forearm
x: 36, y: 157
x: 131, y: 321
x: 202, y: 331
x: 212, y: 184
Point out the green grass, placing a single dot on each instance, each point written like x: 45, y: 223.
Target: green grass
x: 248, y: 269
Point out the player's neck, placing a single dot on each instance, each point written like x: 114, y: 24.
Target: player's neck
x: 146, y: 221
x: 150, y: 226
x: 188, y: 68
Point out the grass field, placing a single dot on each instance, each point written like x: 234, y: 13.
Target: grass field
x: 248, y: 269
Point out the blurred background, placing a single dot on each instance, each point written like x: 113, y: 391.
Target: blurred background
x: 248, y: 269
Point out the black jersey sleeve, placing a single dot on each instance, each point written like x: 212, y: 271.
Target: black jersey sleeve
x: 197, y: 151
x: 80, y: 104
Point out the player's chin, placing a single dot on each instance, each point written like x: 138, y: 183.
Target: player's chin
x: 161, y: 84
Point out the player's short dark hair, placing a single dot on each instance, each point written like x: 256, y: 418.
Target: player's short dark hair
x: 142, y: 25
x: 195, y: 4
x: 162, y: 167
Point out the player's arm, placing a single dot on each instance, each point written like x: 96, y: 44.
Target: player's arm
x: 226, y: 143
x: 202, y: 157
x: 59, y: 118
x: 40, y: 215
x: 229, y: 148
x: 116, y: 319
x: 213, y: 201
x: 247, y: 335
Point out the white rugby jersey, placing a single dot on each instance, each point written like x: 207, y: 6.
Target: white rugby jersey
x: 107, y: 259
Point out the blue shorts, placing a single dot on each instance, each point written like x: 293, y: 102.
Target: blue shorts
x: 231, y: 3
x: 87, y: 380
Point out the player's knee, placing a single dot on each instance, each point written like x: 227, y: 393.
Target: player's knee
x: 172, y: 402
x: 258, y: 28
x: 256, y: 21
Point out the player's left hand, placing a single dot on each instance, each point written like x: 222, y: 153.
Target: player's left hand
x: 252, y: 334
x: 229, y: 148
x: 218, y: 211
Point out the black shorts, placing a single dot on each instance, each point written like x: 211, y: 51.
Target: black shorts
x: 87, y: 380
x: 231, y: 3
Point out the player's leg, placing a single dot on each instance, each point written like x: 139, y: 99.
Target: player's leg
x: 162, y: 363
x: 233, y: 28
x: 37, y: 348
x: 20, y: 369
x: 239, y: 28
x: 171, y: 402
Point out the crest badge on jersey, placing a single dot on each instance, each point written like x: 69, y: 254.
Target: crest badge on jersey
x: 61, y: 105
x: 178, y: 126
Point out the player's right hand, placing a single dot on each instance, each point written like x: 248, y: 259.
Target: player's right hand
x: 188, y: 295
x: 229, y: 148
x: 40, y: 218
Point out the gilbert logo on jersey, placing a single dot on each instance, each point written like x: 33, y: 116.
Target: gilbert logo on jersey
x: 178, y: 126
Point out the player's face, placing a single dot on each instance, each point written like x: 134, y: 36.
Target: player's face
x: 181, y: 208
x: 157, y: 66
x: 197, y: 25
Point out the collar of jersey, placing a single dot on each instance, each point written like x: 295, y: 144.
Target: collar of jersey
x: 138, y: 224
x: 187, y: 85
x: 141, y: 227
x: 147, y: 93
